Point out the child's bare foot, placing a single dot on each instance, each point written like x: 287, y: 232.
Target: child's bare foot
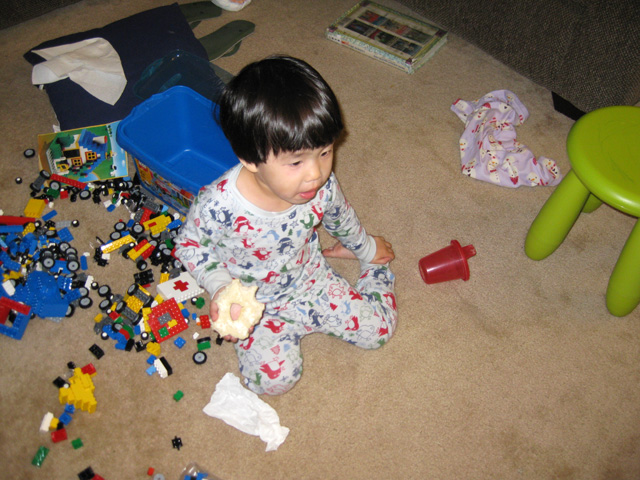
x: 338, y: 251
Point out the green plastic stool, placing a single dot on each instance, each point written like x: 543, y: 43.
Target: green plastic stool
x: 604, y: 151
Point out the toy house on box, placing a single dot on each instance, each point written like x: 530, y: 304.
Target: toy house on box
x: 88, y: 154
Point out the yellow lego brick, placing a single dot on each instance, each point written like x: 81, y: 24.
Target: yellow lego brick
x: 116, y: 244
x: 98, y: 318
x: 134, y: 253
x: 34, y: 208
x: 134, y: 303
x: 158, y: 298
x: 153, y: 348
x: 29, y: 228
x: 12, y: 275
x: 164, y: 277
x: 172, y: 323
x: 158, y: 224
x: 54, y: 424
x: 79, y: 392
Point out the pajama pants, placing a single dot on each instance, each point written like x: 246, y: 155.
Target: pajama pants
x: 270, y: 359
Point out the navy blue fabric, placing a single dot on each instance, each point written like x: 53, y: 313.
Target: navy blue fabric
x: 139, y: 40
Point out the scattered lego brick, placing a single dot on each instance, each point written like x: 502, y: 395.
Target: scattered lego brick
x: 80, y: 391
x: 59, y: 435
x: 39, y: 457
x: 177, y: 442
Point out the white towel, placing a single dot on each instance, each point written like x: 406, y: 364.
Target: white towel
x: 93, y: 64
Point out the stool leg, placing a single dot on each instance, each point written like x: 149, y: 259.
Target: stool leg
x: 592, y: 204
x: 556, y: 217
x: 623, y: 292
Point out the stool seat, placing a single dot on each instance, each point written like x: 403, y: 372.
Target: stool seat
x: 604, y: 151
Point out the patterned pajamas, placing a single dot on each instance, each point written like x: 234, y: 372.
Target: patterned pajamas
x: 227, y: 237
x: 270, y: 359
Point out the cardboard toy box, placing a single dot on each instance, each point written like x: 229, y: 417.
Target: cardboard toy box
x: 176, y: 145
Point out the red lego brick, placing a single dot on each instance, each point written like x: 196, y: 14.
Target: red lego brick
x: 69, y: 181
x: 89, y: 369
x: 11, y: 220
x: 58, y: 435
x: 205, y: 321
x: 172, y: 309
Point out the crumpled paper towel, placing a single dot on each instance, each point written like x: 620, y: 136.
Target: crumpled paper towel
x: 242, y: 409
x: 93, y: 64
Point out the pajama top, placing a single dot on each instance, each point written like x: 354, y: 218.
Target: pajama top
x: 225, y: 236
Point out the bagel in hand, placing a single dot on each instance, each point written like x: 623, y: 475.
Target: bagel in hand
x: 250, y: 314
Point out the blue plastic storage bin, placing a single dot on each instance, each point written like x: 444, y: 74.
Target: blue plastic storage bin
x: 176, y: 145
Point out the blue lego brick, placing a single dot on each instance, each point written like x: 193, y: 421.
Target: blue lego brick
x: 49, y: 215
x: 174, y: 225
x: 179, y: 342
x: 8, y: 263
x: 41, y: 292
x: 11, y: 228
x: 64, y: 234
x: 20, y: 321
x: 109, y: 331
x: 64, y: 283
x: 73, y: 295
x: 65, y: 418
x: 60, y: 267
x: 12, y: 238
x: 83, y: 262
x: 17, y: 330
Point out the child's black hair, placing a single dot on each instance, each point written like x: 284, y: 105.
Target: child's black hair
x: 279, y: 104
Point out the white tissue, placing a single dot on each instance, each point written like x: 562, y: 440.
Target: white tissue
x: 93, y: 64
x: 242, y: 409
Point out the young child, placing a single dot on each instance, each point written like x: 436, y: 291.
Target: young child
x: 257, y: 223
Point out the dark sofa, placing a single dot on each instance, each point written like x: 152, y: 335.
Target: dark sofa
x: 13, y: 12
x: 587, y: 52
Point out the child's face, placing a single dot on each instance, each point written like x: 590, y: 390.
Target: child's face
x: 292, y: 178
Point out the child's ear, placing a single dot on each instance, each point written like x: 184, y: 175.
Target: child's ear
x: 249, y: 166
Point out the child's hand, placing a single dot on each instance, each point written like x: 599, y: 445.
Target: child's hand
x: 384, y: 251
x: 235, y: 313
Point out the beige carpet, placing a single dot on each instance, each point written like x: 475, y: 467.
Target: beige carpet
x: 518, y: 373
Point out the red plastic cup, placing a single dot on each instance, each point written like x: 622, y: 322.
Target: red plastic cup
x: 447, y: 264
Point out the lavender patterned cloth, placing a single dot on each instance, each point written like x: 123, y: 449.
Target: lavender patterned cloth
x: 489, y: 149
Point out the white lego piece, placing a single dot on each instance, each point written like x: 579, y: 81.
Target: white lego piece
x: 181, y: 288
x: 46, y: 422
